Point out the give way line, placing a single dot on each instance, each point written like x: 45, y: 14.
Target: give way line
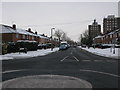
x: 67, y: 57
x: 10, y: 71
x: 99, y: 72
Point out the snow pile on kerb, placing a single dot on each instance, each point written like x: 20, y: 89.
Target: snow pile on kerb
x: 28, y: 55
x: 104, y: 52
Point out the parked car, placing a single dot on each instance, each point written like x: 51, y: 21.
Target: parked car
x: 63, y: 47
x: 49, y: 45
x: 30, y: 45
x: 40, y: 46
x: 83, y: 46
x: 23, y: 50
x: 44, y: 46
x: 74, y: 46
x: 66, y: 45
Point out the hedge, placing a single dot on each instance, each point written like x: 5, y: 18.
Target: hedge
x: 11, y: 47
x: 4, y: 48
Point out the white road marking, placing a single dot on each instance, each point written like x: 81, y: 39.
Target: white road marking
x: 99, y: 72
x: 64, y: 58
x: 11, y: 71
x: 110, y: 61
x: 86, y: 60
x: 98, y: 60
x: 76, y: 58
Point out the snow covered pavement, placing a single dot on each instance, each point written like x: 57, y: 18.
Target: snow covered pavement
x: 104, y: 52
x: 29, y: 54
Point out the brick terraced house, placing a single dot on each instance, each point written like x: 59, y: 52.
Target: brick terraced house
x: 13, y: 34
x: 109, y: 38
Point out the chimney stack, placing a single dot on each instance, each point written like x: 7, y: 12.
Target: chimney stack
x: 14, y: 26
x: 35, y: 32
x: 29, y: 29
x: 94, y: 20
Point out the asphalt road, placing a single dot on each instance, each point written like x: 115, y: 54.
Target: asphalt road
x: 101, y: 72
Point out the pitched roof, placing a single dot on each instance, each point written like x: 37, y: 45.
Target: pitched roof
x: 118, y: 30
x: 110, y: 33
x: 6, y: 29
x: 9, y: 29
x: 100, y: 36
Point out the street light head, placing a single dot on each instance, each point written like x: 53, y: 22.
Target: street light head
x: 52, y: 28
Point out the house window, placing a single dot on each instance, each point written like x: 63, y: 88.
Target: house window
x: 27, y: 37
x: 23, y: 36
x: 32, y: 37
x: 110, y: 36
x: 17, y: 35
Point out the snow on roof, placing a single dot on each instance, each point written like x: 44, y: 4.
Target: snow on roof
x: 118, y: 30
x: 110, y: 44
x: 8, y: 29
x: 25, y: 41
x: 22, y: 31
x: 64, y: 42
x: 43, y: 36
x: 99, y: 36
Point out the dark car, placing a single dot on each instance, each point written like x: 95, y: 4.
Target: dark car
x: 23, y: 50
x: 40, y: 46
x: 44, y: 46
x: 83, y: 46
x: 63, y: 47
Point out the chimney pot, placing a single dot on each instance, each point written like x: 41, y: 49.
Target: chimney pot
x: 36, y: 32
x: 14, y: 26
x: 29, y: 29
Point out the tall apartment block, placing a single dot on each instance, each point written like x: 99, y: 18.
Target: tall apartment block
x: 111, y: 23
x: 94, y: 29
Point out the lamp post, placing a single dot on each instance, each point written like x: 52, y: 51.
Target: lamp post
x: 52, y: 39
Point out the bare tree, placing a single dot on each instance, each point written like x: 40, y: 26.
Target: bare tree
x: 61, y: 35
x: 64, y: 36
x: 79, y: 38
x: 84, y: 38
x: 58, y: 34
x: 85, y: 34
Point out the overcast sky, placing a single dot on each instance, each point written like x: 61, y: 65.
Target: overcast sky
x: 73, y: 18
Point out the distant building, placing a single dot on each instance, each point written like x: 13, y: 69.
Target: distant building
x: 111, y: 23
x: 94, y: 29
